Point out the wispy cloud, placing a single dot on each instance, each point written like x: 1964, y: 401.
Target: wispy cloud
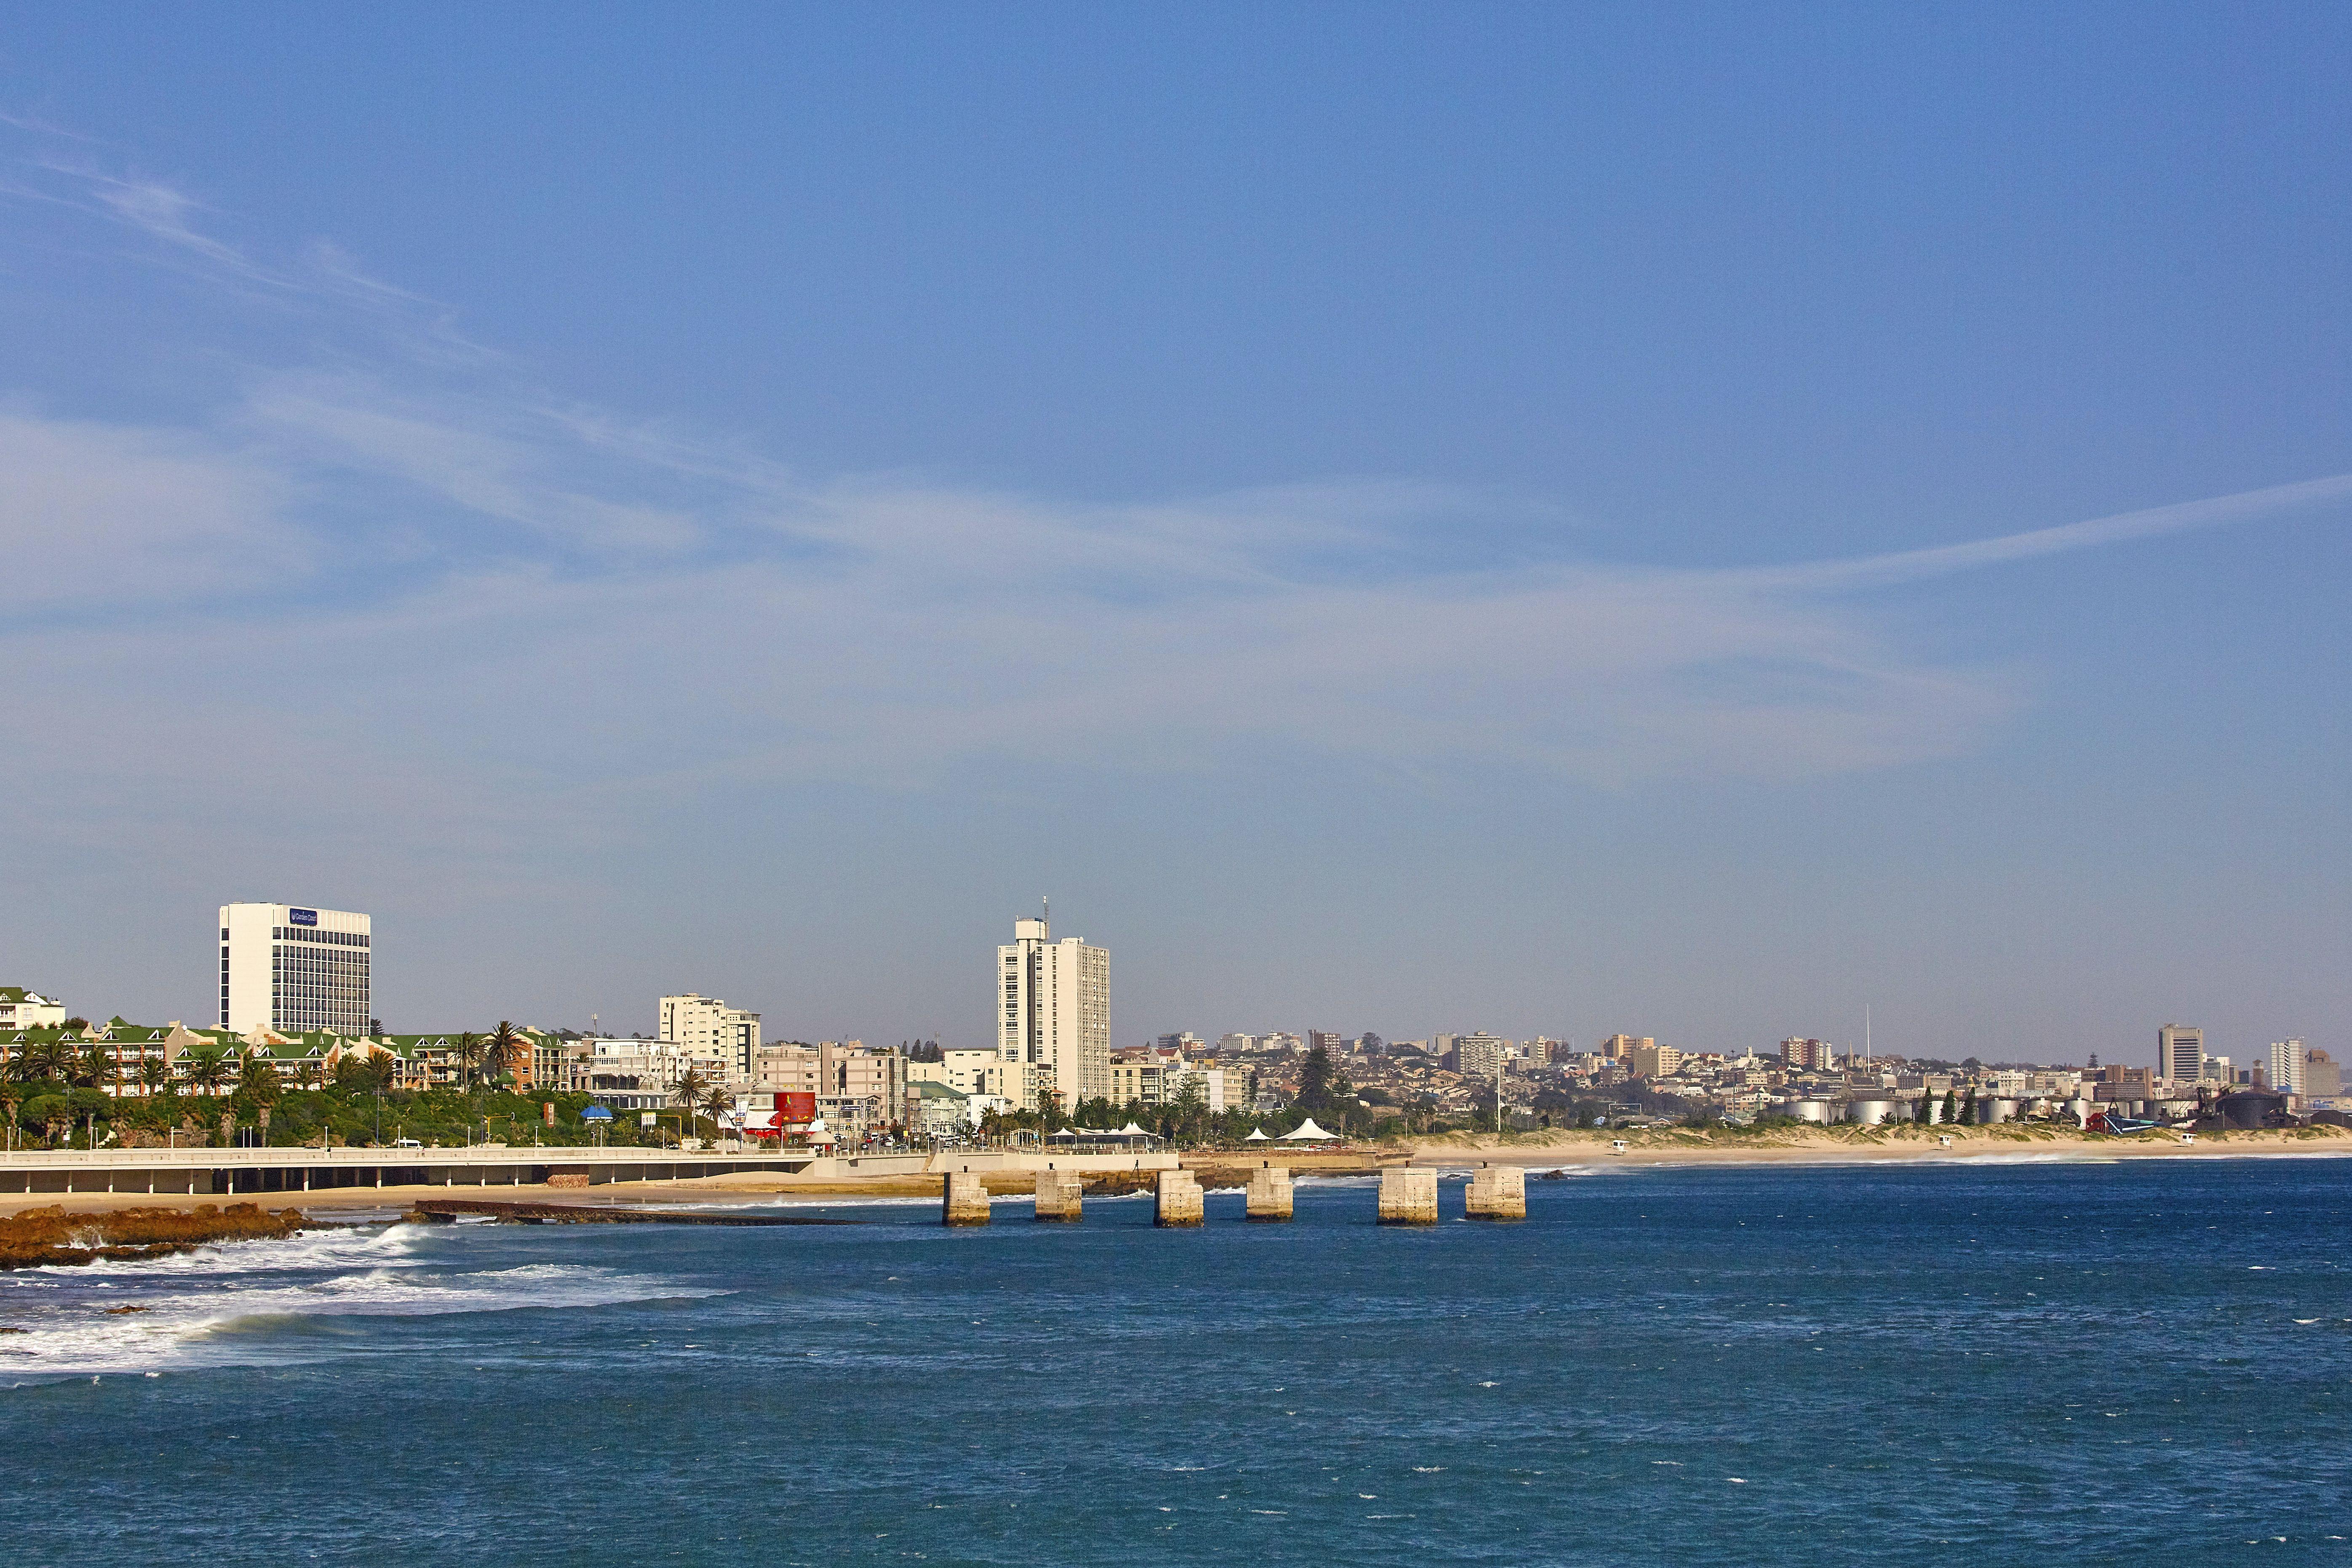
x: 547, y: 580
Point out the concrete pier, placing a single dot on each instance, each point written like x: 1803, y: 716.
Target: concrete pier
x: 1179, y: 1199
x: 1408, y: 1196
x: 1060, y: 1195
x: 1269, y: 1192
x: 1496, y: 1191
x: 965, y: 1202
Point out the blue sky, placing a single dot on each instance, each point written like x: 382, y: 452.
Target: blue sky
x: 1397, y: 518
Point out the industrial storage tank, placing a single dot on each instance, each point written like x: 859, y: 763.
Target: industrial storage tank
x: 1997, y: 1109
x: 2251, y: 1108
x: 1870, y: 1112
x: 1820, y: 1111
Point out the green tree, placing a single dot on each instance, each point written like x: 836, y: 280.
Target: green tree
x: 1316, y: 1077
x: 1951, y: 1108
x: 12, y: 1093
x: 257, y: 1083
x: 53, y: 1112
x: 504, y: 1052
x: 208, y: 1069
x: 470, y: 1049
x: 692, y: 1089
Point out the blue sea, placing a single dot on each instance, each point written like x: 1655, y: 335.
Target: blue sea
x: 2143, y: 1363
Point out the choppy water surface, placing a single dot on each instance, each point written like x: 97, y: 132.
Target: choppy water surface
x: 1983, y: 1365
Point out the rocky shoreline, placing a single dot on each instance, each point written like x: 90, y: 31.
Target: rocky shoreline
x: 37, y: 1237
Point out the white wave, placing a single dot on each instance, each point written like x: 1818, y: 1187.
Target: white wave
x: 218, y: 1305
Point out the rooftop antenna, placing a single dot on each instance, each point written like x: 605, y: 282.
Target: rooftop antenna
x: 1865, y: 1029
x: 1047, y: 903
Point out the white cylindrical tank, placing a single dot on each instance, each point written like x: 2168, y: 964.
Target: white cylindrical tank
x: 1815, y: 1111
x: 1869, y: 1113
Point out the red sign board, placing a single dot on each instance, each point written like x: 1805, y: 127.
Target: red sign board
x: 795, y: 1107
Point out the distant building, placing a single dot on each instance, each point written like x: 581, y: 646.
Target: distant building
x: 1335, y: 1043
x: 2322, y: 1078
x: 1478, y: 1056
x: 1616, y: 1046
x: 983, y: 1073
x: 1054, y: 1013
x: 1653, y: 1060
x: 23, y: 1009
x: 288, y: 968
x: 722, y: 1040
x: 2286, y: 1067
x: 1799, y: 1054
x: 2180, y: 1053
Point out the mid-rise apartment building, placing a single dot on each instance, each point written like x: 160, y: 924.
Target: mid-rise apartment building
x: 721, y: 1040
x: 290, y: 968
x: 1652, y: 1061
x: 1479, y: 1055
x: 1054, y: 1014
x: 24, y: 1009
x: 1800, y: 1054
x: 1615, y: 1047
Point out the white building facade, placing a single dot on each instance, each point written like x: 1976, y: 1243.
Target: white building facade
x: 21, y: 1008
x: 1054, y: 1014
x: 722, y: 1041
x: 290, y: 968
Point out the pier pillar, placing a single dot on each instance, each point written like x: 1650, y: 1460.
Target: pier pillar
x: 1060, y: 1195
x: 1179, y: 1199
x: 1496, y: 1191
x: 1269, y: 1192
x: 1408, y: 1195
x: 965, y: 1201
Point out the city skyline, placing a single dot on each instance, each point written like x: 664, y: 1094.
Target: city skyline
x: 1700, y: 549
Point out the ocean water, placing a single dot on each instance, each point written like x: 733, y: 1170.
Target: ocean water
x: 2033, y: 1363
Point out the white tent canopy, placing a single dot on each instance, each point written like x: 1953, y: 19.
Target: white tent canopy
x: 1257, y: 1135
x: 1307, y: 1133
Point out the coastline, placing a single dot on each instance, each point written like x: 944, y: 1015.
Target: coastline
x: 1870, y: 1145
x: 1223, y: 1169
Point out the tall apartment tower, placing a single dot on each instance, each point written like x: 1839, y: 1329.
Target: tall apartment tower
x: 1054, y: 1014
x: 723, y: 1041
x: 2180, y: 1053
x: 2286, y: 1067
x: 290, y: 969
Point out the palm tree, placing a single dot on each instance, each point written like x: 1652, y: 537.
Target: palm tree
x: 208, y: 1069
x: 718, y: 1101
x: 154, y: 1072
x: 469, y: 1049
x: 693, y: 1087
x: 208, y: 1073
x: 259, y: 1082
x: 51, y: 1059
x: 504, y: 1051
x: 12, y: 1093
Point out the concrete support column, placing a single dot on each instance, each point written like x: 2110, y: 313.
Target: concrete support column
x: 965, y: 1201
x: 1060, y: 1195
x: 1408, y: 1195
x: 1269, y: 1192
x: 1179, y: 1199
x: 1498, y: 1192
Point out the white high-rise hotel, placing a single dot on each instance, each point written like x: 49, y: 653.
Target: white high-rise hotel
x: 290, y: 969
x: 1054, y: 1016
